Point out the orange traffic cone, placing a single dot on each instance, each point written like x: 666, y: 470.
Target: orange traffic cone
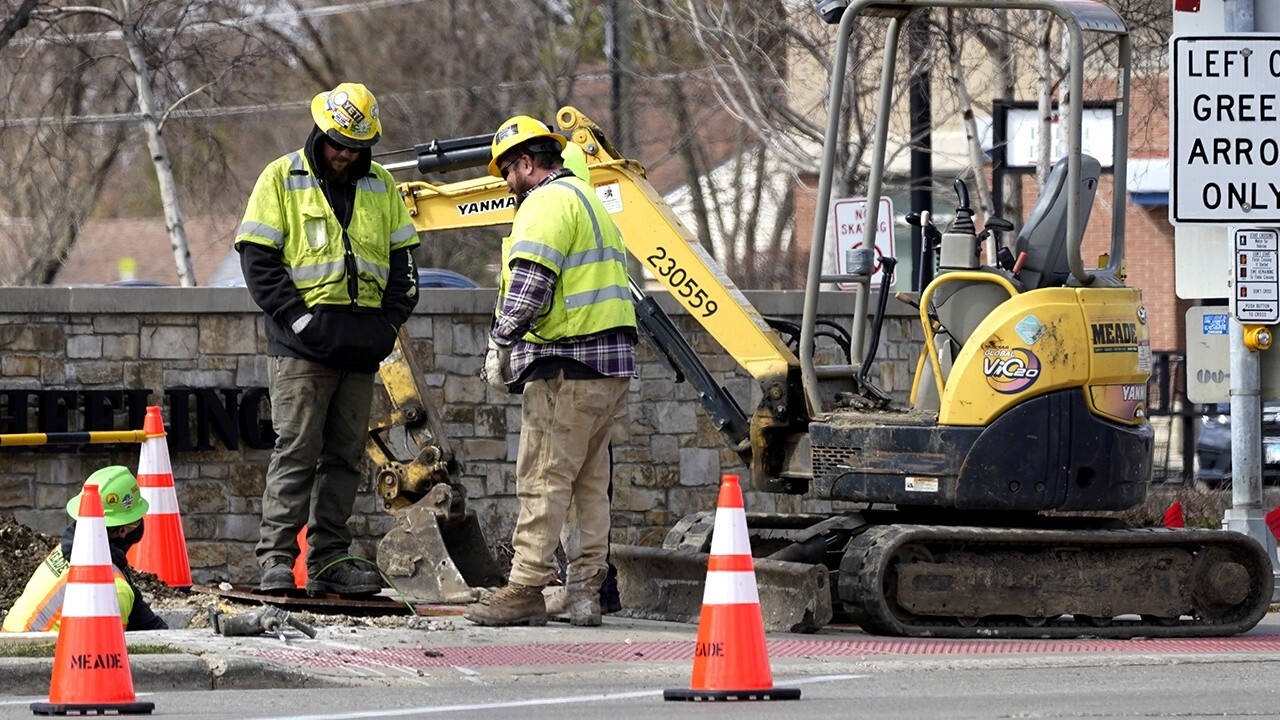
x: 163, y: 548
x: 731, y: 661
x: 91, y: 663
x: 300, y: 562
x: 1173, y: 516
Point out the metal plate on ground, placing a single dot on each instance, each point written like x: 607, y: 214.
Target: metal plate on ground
x: 329, y: 603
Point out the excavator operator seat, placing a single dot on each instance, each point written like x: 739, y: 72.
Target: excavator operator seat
x: 1044, y: 237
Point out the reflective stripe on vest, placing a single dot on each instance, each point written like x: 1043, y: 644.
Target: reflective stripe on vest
x: 592, y: 293
x: 289, y: 211
x: 39, y: 608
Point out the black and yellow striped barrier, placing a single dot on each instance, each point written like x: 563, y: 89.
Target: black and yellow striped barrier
x: 93, y: 437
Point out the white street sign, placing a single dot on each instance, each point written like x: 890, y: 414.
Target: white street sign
x: 1225, y: 148
x: 1255, y: 292
x: 850, y: 221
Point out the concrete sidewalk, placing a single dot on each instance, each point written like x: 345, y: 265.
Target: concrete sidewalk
x: 452, y: 650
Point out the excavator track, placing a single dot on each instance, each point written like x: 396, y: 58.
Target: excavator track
x: 966, y: 582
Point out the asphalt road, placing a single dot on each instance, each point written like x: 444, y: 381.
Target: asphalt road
x: 1182, y: 688
x: 567, y: 673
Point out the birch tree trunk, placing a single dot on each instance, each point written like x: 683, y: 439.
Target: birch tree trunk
x: 1044, y: 96
x: 965, y: 102
x: 159, y: 152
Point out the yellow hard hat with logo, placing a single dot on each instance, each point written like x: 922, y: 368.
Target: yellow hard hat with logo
x: 122, y: 501
x: 348, y: 114
x: 519, y: 129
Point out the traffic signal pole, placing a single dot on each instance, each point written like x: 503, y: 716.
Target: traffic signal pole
x: 1246, y: 514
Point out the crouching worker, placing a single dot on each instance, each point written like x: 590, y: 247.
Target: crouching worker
x: 40, y: 606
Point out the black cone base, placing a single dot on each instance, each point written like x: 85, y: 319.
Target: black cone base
x: 133, y: 708
x: 726, y: 695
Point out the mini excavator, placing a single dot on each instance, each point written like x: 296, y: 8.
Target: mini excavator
x: 987, y: 502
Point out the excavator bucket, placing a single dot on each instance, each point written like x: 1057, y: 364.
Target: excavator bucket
x: 432, y: 557
x: 435, y: 552
x: 661, y: 584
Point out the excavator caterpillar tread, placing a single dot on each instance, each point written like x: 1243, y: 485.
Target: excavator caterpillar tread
x: 968, y: 582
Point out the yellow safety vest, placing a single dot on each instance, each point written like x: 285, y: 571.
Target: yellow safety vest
x: 39, y: 608
x: 288, y: 211
x: 564, y: 226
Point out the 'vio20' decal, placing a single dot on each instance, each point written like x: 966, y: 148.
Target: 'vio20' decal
x: 1010, y: 370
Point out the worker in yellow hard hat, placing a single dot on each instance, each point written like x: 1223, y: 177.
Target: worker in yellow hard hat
x: 563, y: 335
x: 325, y: 246
x: 39, y: 608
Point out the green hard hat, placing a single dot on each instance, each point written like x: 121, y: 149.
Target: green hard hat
x: 122, y: 501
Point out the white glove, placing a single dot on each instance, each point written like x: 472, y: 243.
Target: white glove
x: 301, y: 323
x: 497, y: 365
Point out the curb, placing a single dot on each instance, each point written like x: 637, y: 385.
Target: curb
x: 174, y: 672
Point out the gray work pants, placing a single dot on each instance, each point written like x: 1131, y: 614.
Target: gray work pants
x: 322, y: 418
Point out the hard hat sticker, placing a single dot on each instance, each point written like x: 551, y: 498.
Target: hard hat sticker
x: 505, y: 133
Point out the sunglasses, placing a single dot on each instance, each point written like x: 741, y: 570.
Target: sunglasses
x: 339, y: 147
x: 507, y: 168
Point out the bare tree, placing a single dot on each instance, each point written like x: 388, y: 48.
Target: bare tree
x: 15, y: 18
x: 171, y: 51
x: 459, y: 74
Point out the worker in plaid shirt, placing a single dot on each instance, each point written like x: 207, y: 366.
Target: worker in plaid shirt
x: 563, y: 336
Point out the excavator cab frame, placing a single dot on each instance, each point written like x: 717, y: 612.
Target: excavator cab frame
x: 1077, y: 17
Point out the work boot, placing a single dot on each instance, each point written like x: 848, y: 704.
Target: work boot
x: 514, y: 604
x: 576, y: 606
x: 347, y: 577
x: 277, y: 577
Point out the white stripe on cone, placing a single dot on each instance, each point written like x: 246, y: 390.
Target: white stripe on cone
x: 84, y: 551
x: 735, y: 541
x: 89, y: 600
x: 161, y: 500
x: 155, y: 457
x: 730, y: 588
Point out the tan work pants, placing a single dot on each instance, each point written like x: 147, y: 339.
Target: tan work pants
x: 563, y: 461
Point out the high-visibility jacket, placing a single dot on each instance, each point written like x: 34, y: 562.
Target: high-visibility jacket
x: 288, y: 211
x: 564, y: 226
x: 39, y: 608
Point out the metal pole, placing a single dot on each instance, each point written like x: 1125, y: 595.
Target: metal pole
x: 921, y: 146
x: 1246, y: 514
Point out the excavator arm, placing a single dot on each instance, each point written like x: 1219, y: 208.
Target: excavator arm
x: 771, y: 437
x: 435, y: 551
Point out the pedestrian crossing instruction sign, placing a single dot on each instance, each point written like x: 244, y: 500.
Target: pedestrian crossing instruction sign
x: 1255, y: 280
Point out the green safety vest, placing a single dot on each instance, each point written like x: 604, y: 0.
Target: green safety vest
x: 564, y: 226
x: 39, y: 608
x: 288, y: 211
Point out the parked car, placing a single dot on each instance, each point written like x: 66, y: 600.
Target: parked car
x: 1213, y: 445
x: 441, y: 278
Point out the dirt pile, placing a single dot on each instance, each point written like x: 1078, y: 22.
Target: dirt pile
x: 21, y: 551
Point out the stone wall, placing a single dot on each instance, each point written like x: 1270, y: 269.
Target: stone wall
x: 94, y: 358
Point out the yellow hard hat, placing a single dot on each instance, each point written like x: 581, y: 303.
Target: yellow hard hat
x: 122, y: 501
x: 348, y: 114
x: 517, y: 130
